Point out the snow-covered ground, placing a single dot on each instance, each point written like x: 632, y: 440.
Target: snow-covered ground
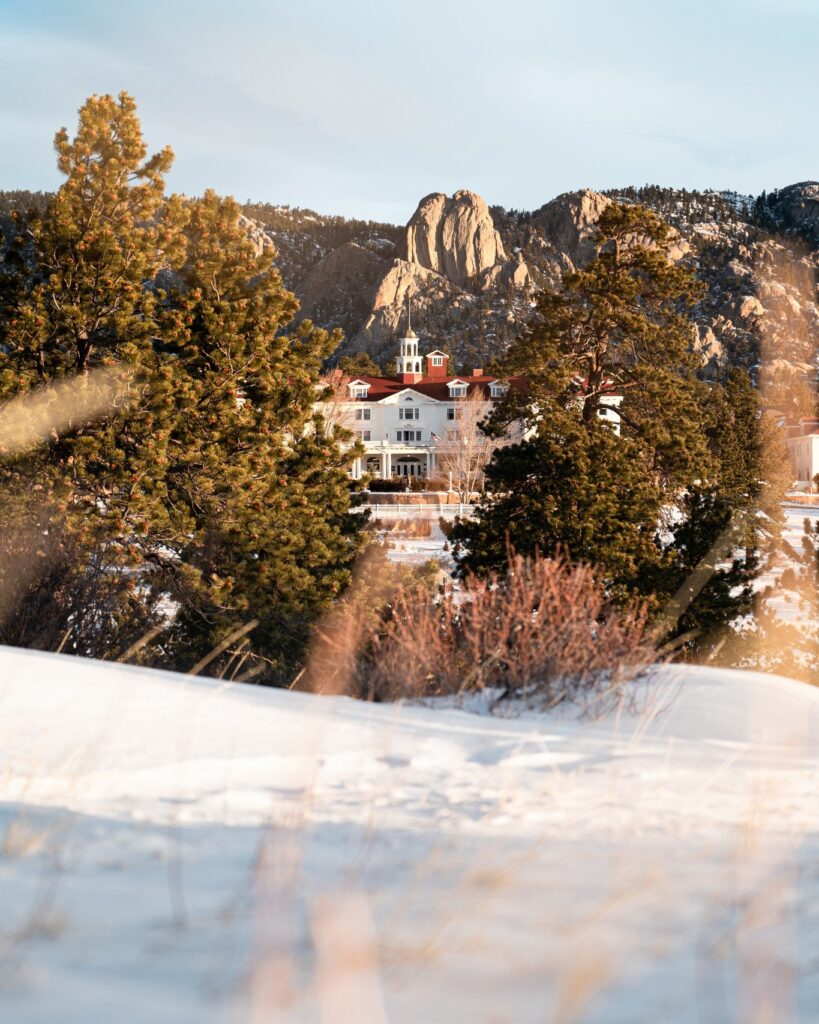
x: 178, y: 850
x: 417, y: 550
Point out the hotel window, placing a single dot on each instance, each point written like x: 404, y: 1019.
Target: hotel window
x: 498, y: 390
x: 363, y: 414
x: 457, y: 390
x: 359, y: 390
x: 364, y: 435
x: 409, y: 414
x: 452, y: 413
x: 437, y: 360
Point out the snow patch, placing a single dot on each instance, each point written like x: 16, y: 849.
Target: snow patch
x: 182, y: 850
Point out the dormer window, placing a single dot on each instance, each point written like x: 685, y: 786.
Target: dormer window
x: 457, y: 389
x: 497, y: 389
x: 437, y: 360
x: 358, y: 389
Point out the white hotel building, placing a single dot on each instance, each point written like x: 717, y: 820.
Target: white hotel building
x: 803, y: 447
x: 406, y: 421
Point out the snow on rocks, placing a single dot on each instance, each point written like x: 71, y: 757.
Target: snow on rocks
x: 176, y: 849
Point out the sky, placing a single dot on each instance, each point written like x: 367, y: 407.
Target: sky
x: 361, y: 107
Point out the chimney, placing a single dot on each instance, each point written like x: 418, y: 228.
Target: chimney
x: 477, y: 371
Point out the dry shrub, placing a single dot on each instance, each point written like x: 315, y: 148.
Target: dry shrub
x: 544, y: 630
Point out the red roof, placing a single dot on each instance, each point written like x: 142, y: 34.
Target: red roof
x: 383, y: 387
x: 807, y: 426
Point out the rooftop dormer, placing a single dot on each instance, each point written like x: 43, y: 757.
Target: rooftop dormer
x: 358, y: 388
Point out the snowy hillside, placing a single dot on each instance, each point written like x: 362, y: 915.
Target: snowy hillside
x: 177, y: 850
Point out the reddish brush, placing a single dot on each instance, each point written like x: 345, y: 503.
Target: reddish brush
x: 545, y: 629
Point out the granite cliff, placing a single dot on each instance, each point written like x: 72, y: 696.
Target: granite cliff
x: 472, y: 271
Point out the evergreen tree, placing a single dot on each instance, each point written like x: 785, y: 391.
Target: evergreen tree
x: 257, y: 493
x: 572, y: 486
x: 682, y: 483
x: 622, y: 324
x: 359, y: 364
x: 211, y: 494
x: 735, y: 520
x: 74, y: 300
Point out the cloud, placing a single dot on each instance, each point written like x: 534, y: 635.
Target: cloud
x: 359, y: 108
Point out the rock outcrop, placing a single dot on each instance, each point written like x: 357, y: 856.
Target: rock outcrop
x: 455, y: 254
x: 750, y: 308
x: 259, y: 237
x: 708, y: 347
x: 455, y: 237
x: 798, y: 208
x: 432, y: 295
x: 341, y: 288
x: 569, y: 223
x: 471, y: 270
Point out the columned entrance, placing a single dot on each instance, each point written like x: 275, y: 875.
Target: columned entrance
x: 408, y: 465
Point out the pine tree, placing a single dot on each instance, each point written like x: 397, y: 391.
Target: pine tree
x: 736, y: 518
x: 212, y: 494
x: 359, y: 364
x: 682, y: 481
x: 622, y: 324
x: 75, y: 301
x: 574, y: 487
x: 257, y: 492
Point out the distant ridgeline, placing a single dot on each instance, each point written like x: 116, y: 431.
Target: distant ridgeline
x: 471, y: 270
x: 22, y: 200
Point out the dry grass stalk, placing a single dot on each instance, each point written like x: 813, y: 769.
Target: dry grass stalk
x: 348, y: 983
x: 38, y: 416
x: 348, y: 627
x: 23, y: 838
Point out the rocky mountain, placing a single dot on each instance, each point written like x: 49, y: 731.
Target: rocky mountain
x: 456, y: 238
x: 467, y: 289
x: 472, y: 271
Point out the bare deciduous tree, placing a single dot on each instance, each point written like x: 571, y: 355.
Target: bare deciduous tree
x: 466, y: 450
x: 333, y: 389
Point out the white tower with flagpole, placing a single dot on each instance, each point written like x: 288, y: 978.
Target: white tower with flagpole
x: 408, y: 361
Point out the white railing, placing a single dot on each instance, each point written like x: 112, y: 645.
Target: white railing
x: 380, y: 447
x: 419, y: 511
